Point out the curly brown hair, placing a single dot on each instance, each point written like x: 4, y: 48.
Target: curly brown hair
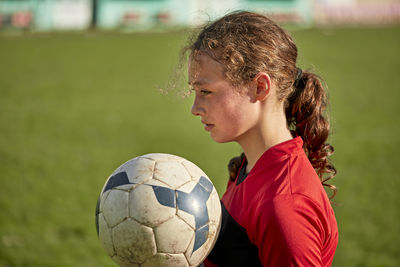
x: 247, y: 43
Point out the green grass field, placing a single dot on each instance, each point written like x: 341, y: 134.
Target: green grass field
x: 73, y: 107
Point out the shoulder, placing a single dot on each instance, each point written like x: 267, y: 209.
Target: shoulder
x: 285, y: 207
x: 292, y: 178
x: 295, y: 195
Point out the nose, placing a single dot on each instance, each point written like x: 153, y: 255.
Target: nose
x: 197, y: 108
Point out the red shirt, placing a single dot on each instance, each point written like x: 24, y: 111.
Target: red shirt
x: 283, y: 210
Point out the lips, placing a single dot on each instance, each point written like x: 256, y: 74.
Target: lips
x: 207, y: 126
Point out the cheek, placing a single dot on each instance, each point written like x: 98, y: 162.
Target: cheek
x: 240, y: 106
x: 232, y: 124
x: 240, y: 114
x: 227, y: 111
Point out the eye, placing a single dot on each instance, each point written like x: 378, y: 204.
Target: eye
x: 205, y: 92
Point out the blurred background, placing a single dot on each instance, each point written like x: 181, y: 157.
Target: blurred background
x: 82, y: 90
x: 44, y: 15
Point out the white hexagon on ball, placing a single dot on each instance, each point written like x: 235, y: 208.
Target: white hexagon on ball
x: 172, y: 173
x: 159, y: 157
x: 173, y: 236
x: 115, y: 207
x: 139, y: 169
x: 124, y: 262
x: 166, y: 260
x: 133, y: 242
x: 105, y: 235
x: 194, y: 171
x: 145, y: 208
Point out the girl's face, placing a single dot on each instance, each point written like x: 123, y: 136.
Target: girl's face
x: 228, y: 113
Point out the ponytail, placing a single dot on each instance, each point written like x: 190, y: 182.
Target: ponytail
x: 305, y: 114
x: 234, y: 166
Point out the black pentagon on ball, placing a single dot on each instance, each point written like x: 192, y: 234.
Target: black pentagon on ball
x: 118, y: 179
x: 165, y: 196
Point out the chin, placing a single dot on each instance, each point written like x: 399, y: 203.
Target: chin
x: 221, y: 139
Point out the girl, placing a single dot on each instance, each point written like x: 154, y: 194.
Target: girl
x: 248, y: 90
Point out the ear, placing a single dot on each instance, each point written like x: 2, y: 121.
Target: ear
x: 263, y: 85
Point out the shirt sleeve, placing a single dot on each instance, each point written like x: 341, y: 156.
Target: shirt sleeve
x: 288, y: 231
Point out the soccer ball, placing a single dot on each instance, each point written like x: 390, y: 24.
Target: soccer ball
x: 158, y: 210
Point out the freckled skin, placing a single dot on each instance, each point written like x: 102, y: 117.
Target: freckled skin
x: 225, y: 110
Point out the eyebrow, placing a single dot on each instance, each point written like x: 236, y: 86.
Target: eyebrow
x: 196, y: 83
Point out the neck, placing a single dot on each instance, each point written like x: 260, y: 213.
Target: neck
x: 271, y: 130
